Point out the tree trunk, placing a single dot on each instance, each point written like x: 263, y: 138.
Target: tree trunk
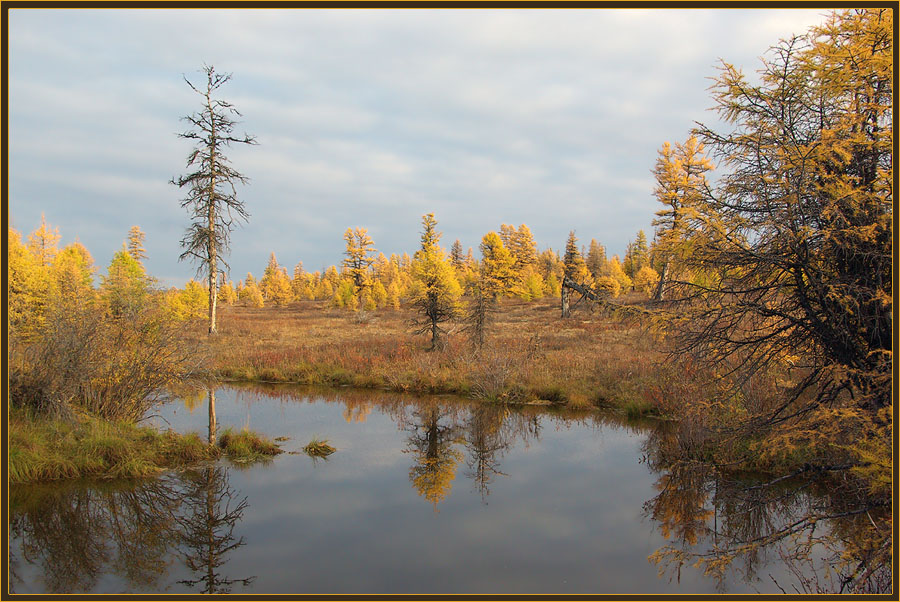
x: 435, y: 335
x: 564, y: 300
x: 660, y: 286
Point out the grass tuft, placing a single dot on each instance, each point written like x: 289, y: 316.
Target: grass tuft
x: 319, y: 448
x: 246, y: 446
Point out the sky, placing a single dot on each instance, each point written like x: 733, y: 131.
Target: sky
x: 364, y: 118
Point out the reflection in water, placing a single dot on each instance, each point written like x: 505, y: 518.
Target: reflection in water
x: 819, y: 528
x: 212, y: 415
x: 206, y: 529
x: 432, y: 443
x: 735, y: 525
x: 136, y: 530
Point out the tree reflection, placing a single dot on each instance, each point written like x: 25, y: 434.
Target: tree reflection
x: 819, y: 527
x: 206, y: 529
x: 432, y: 443
x: 74, y: 532
x: 135, y: 530
x: 486, y: 439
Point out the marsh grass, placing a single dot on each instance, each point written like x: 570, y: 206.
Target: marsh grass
x: 245, y: 446
x: 45, y: 449
x: 319, y: 448
x: 42, y: 449
x: 530, y: 354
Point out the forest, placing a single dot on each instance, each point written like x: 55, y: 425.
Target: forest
x: 756, y: 318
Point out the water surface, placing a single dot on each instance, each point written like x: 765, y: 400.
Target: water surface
x: 434, y: 495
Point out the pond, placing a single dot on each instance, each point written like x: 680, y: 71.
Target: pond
x: 433, y: 495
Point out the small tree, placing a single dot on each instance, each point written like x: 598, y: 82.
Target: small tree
x: 498, y: 273
x: 436, y: 291
x: 211, y: 198
x: 359, y: 257
x: 574, y: 269
x: 135, y: 243
x: 126, y: 286
x: 43, y: 243
x: 680, y: 184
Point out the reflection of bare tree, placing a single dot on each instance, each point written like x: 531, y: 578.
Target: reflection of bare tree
x: 818, y: 527
x: 207, y: 529
x: 78, y: 532
x: 212, y: 415
x: 486, y: 439
x: 432, y: 443
x: 65, y: 536
x: 74, y: 531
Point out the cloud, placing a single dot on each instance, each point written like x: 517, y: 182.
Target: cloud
x: 367, y: 118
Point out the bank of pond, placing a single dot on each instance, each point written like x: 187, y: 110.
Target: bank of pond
x: 420, y: 495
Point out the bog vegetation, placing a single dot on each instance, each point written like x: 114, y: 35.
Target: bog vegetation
x: 758, y: 317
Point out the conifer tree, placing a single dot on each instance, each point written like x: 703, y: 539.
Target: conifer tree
x: 521, y: 245
x: 136, y: 238
x: 680, y: 185
x: 801, y: 227
x: 456, y: 255
x: 73, y: 273
x: 211, y: 199
x: 44, y: 242
x: 497, y: 271
x: 596, y: 259
x: 436, y: 291
x: 126, y: 286
x: 575, y: 269
x: 26, y: 288
x: 359, y: 257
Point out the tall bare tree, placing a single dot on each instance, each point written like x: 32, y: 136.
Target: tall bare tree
x: 211, y: 198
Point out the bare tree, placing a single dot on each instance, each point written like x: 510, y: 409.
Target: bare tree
x: 211, y: 198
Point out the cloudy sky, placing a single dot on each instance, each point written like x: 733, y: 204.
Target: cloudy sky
x: 367, y: 118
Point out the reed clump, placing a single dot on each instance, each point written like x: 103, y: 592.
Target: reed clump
x: 246, y: 446
x: 319, y: 448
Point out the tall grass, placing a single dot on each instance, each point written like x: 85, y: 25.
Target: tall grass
x: 42, y: 449
x: 529, y: 354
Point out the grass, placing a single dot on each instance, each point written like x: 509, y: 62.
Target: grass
x: 531, y: 354
x: 319, y: 448
x: 246, y: 446
x: 41, y: 449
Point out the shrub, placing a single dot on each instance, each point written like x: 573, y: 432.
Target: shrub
x: 116, y: 368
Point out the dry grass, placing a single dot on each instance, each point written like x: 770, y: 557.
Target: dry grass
x: 530, y: 354
x: 319, y: 448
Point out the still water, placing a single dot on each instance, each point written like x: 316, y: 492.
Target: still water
x: 433, y: 495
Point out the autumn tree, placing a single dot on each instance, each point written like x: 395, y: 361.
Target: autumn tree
x: 596, y: 259
x: 498, y: 271
x: 680, y: 174
x: 574, y: 269
x: 211, y: 200
x: 800, y: 228
x: 73, y: 273
x: 637, y: 255
x: 126, y: 286
x: 44, y: 242
x: 521, y: 245
x: 26, y: 288
x: 359, y: 258
x: 436, y: 291
x: 135, y: 244
x: 457, y: 259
